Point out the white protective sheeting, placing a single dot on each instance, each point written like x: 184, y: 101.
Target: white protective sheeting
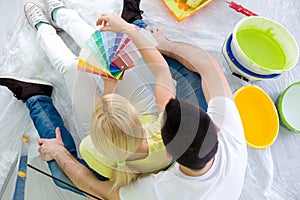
x: 273, y: 173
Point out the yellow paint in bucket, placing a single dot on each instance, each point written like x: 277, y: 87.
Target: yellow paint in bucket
x: 259, y: 116
x: 264, y: 46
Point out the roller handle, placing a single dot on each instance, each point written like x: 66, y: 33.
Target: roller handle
x: 239, y: 8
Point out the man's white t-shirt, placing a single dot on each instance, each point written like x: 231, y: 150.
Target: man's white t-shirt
x: 225, y: 178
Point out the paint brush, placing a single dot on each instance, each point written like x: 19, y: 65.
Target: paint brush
x: 239, y: 8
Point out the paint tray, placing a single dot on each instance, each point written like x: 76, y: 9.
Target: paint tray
x: 180, y: 10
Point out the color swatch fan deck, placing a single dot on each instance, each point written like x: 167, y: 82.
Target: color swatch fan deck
x: 108, y: 54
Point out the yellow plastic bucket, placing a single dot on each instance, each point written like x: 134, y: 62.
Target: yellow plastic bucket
x: 259, y: 116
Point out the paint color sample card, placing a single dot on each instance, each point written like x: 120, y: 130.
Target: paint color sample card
x: 108, y: 54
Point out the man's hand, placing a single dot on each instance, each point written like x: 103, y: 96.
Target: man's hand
x: 158, y: 35
x: 79, y: 174
x: 113, y: 23
x: 49, y: 148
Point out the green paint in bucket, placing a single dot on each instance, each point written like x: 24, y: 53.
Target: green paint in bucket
x: 261, y: 48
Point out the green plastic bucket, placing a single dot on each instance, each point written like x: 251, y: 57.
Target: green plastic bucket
x: 288, y: 107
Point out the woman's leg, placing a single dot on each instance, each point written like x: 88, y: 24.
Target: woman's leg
x: 58, y: 53
x: 81, y: 86
x: 70, y: 21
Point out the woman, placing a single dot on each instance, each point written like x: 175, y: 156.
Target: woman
x: 137, y: 146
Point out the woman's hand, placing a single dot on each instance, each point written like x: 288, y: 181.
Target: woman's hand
x: 113, y: 23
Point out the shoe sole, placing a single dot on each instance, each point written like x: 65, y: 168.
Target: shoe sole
x: 35, y: 81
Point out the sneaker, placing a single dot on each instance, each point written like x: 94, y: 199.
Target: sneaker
x: 131, y: 10
x: 23, y: 89
x: 51, y: 5
x: 34, y: 14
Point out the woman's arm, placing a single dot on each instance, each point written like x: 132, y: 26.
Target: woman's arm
x: 164, y: 86
x: 109, y: 85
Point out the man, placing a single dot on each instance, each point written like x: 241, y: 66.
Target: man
x: 209, y: 148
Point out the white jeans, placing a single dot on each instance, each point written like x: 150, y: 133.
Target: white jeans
x: 81, y: 85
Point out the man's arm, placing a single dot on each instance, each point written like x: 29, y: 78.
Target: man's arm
x: 164, y: 86
x: 195, y: 59
x: 81, y: 176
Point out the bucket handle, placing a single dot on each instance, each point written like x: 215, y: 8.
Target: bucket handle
x: 240, y: 76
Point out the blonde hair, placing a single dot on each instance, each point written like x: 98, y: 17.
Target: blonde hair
x: 117, y: 133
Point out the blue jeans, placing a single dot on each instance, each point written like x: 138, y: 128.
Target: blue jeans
x: 46, y: 118
x: 189, y: 85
